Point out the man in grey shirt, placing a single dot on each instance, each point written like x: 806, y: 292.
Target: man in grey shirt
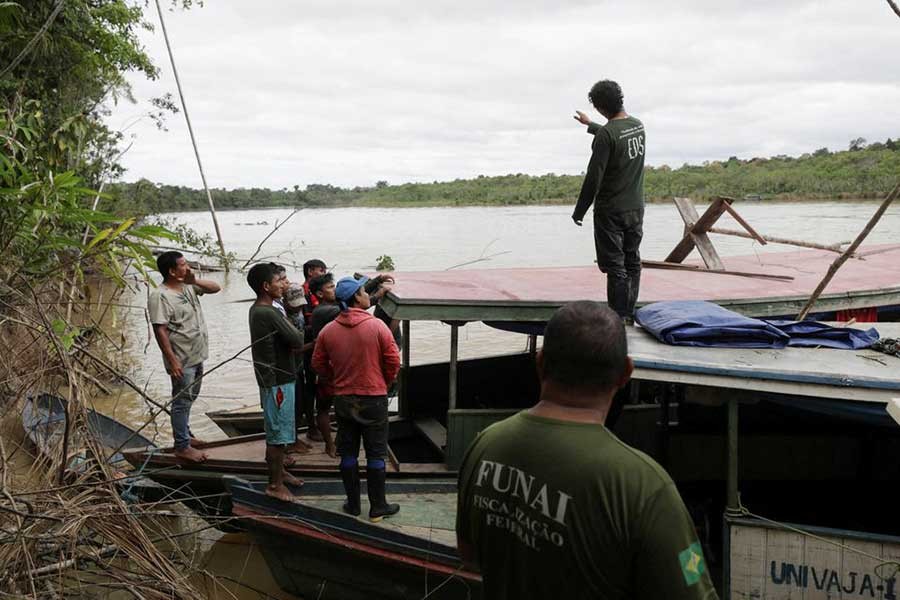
x: 180, y: 331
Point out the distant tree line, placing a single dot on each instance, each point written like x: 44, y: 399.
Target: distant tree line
x: 862, y: 171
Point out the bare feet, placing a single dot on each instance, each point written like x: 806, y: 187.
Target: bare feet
x: 292, y: 479
x: 196, y: 442
x: 281, y: 492
x: 191, y: 455
x: 298, y: 447
x: 330, y: 449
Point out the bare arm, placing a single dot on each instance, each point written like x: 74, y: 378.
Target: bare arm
x: 161, y: 332
x: 206, y: 286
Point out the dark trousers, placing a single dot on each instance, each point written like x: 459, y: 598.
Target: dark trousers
x: 617, y: 239
x: 362, y: 418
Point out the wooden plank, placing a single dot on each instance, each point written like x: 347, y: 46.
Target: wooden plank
x: 747, y: 560
x: 825, y: 565
x: 690, y: 217
x: 701, y: 239
x: 745, y: 224
x: 434, y: 432
x: 656, y: 264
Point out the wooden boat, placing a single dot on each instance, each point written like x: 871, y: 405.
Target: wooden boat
x: 43, y: 419
x: 316, y: 551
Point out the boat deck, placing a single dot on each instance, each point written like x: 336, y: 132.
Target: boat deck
x: 533, y: 294
x: 429, y: 516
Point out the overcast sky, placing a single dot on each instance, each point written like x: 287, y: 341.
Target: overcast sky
x: 353, y: 92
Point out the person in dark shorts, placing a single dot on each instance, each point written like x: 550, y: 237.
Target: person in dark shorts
x: 326, y: 311
x: 614, y: 184
x: 357, y: 353
x: 276, y: 346
x: 552, y: 505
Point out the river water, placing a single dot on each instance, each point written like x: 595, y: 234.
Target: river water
x: 351, y: 239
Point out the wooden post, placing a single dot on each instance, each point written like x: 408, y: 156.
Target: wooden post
x: 732, y: 505
x: 454, y: 355
x: 403, y: 396
x: 532, y: 345
x: 212, y: 208
x: 840, y: 260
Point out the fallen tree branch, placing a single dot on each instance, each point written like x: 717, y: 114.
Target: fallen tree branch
x: 271, y: 233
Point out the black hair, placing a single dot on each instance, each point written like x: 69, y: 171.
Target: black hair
x: 278, y: 268
x: 259, y: 274
x: 585, y: 347
x: 315, y: 262
x: 606, y: 96
x: 317, y: 283
x: 168, y: 260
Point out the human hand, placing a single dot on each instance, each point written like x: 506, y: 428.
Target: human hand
x: 177, y: 370
x: 190, y: 278
x: 582, y: 118
x: 576, y: 221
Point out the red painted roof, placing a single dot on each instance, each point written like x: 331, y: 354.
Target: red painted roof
x: 559, y: 285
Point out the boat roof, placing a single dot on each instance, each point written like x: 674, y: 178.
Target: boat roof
x: 861, y: 375
x: 534, y: 293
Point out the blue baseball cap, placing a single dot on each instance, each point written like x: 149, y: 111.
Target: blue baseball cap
x: 346, y: 288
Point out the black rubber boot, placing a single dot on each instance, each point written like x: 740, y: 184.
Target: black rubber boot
x: 378, y: 506
x: 617, y: 294
x: 634, y: 288
x: 350, y: 475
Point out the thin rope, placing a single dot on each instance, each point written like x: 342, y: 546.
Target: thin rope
x: 212, y: 208
x: 33, y: 41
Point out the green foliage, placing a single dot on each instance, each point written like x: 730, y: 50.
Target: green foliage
x: 864, y: 172
x: 384, y: 263
x: 48, y: 232
x: 188, y: 240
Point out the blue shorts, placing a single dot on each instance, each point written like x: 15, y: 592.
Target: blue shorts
x: 278, y: 413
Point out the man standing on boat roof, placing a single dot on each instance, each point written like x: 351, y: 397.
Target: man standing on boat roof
x: 356, y: 353
x: 180, y: 331
x: 574, y: 512
x: 614, y: 184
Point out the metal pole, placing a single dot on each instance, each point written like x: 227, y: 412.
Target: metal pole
x: 403, y: 396
x: 454, y: 355
x: 732, y: 501
x: 212, y: 208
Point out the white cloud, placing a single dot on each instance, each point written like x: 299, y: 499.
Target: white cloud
x: 352, y: 92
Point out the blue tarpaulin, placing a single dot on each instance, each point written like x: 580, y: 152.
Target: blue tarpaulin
x: 704, y: 324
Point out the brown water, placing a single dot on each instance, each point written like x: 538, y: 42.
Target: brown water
x: 350, y: 239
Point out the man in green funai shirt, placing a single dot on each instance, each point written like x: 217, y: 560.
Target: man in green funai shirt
x: 614, y: 184
x: 553, y: 505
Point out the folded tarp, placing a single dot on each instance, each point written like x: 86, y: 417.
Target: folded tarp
x: 811, y: 334
x: 704, y: 324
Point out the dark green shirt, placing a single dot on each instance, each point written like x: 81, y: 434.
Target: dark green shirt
x: 614, y: 180
x: 274, y: 339
x: 556, y: 509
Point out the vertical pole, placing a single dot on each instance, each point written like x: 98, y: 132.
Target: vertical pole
x: 212, y: 208
x: 532, y: 344
x: 732, y: 501
x: 454, y: 355
x: 403, y: 397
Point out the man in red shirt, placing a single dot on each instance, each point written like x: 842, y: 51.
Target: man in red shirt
x: 357, y: 354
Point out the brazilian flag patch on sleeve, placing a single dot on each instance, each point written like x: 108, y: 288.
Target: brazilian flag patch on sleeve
x: 692, y: 564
